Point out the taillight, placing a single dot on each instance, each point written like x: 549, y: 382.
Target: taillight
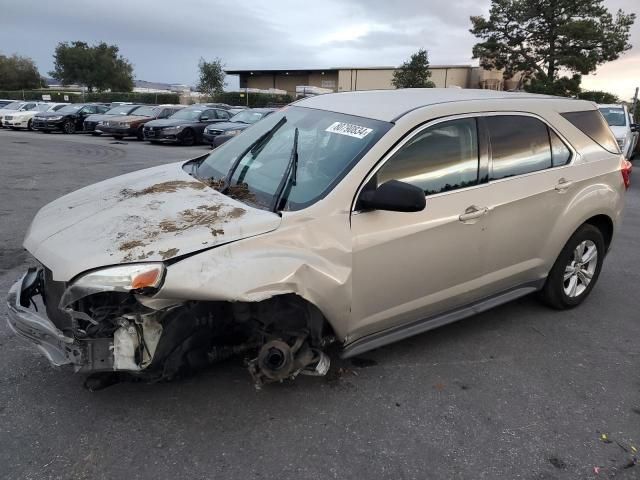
x: 625, y: 170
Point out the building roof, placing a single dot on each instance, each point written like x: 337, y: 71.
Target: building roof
x: 388, y: 105
x: 298, y: 71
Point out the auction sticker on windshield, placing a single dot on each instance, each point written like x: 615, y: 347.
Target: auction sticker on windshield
x: 349, y: 129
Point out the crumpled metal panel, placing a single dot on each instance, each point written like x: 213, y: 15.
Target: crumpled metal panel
x: 307, y: 257
x: 150, y: 215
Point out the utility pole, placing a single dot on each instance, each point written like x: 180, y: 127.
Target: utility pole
x: 633, y: 105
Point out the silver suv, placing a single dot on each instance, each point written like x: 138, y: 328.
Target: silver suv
x: 358, y: 218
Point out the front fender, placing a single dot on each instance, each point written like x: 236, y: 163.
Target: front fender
x: 304, y: 258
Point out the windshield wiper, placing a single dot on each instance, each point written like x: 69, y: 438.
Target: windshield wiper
x: 289, y: 178
x: 255, y: 148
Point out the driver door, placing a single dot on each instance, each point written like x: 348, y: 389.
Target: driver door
x: 410, y: 266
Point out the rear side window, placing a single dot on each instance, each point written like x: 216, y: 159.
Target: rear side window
x: 440, y: 158
x: 594, y: 126
x: 519, y: 145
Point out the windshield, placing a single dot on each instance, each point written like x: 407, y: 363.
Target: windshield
x: 186, y: 114
x: 121, y: 110
x: 329, y: 145
x: 70, y: 108
x: 247, y: 116
x: 13, y: 105
x: 614, y: 116
x: 145, y: 111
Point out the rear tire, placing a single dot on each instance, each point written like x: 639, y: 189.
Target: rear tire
x: 576, y: 269
x: 30, y: 126
x: 140, y: 134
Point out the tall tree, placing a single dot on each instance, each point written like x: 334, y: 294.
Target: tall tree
x: 541, y: 38
x: 98, y: 67
x: 211, y: 76
x: 17, y: 73
x: 414, y: 73
x: 598, y: 96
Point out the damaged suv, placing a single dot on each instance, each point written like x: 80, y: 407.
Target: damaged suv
x: 357, y: 218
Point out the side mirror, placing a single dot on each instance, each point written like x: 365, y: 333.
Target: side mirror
x: 635, y: 127
x: 394, y: 196
x: 204, y: 118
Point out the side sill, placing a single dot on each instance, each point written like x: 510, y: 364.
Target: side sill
x: 395, y: 334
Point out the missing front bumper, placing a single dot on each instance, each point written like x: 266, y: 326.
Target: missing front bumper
x: 54, y: 345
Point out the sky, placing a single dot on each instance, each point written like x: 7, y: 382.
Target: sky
x: 164, y: 39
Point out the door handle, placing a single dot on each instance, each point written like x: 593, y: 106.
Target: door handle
x: 472, y: 213
x: 563, y: 184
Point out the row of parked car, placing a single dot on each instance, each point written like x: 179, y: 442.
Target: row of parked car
x: 211, y: 123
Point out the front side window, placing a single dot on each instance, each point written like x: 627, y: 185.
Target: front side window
x: 519, y: 145
x: 594, y: 126
x: 440, y: 158
x: 329, y: 144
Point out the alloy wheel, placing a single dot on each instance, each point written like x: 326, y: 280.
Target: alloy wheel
x: 580, y: 270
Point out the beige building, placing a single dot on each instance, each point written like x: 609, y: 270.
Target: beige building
x: 344, y: 79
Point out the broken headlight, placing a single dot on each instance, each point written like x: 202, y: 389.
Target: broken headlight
x: 124, y: 278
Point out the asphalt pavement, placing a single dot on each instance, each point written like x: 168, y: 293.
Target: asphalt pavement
x: 519, y: 392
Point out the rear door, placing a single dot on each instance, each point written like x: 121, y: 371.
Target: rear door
x: 528, y: 184
x: 410, y: 266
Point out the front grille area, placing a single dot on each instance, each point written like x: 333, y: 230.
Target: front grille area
x: 52, y: 294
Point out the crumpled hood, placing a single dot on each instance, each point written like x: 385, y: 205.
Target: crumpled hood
x: 149, y: 215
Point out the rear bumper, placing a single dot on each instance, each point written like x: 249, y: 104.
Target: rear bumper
x: 39, y: 330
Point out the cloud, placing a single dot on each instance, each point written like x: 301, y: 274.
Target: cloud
x: 164, y: 39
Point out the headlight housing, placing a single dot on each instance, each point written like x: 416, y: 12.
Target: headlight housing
x: 124, y: 278
x: 55, y: 117
x: 175, y: 129
x: 124, y: 124
x: 233, y: 133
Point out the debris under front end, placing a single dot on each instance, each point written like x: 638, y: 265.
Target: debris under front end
x: 116, y: 335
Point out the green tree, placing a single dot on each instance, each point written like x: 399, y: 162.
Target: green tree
x: 97, y: 67
x: 598, y: 96
x: 414, y: 73
x: 18, y: 73
x: 211, y: 77
x: 541, y: 38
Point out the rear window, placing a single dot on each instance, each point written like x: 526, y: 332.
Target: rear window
x: 594, y: 126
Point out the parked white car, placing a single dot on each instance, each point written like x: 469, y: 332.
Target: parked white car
x: 17, y: 107
x: 24, y: 119
x: 623, y: 127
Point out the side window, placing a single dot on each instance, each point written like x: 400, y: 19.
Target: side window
x: 440, y: 158
x: 594, y: 126
x: 223, y: 114
x: 560, y: 154
x: 519, y: 145
x: 28, y: 106
x: 210, y: 114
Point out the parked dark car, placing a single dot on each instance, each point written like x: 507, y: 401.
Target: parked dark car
x: 68, y: 119
x: 221, y: 132
x: 186, y: 126
x: 132, y: 125
x: 92, y: 121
